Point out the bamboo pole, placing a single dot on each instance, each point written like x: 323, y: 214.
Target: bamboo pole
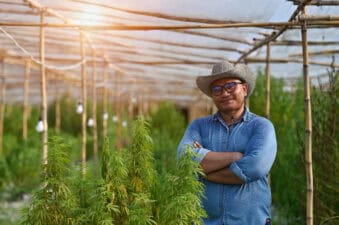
x: 43, y: 89
x: 277, y: 60
x: 13, y: 3
x: 146, y: 100
x: 275, y: 34
x: 94, y: 116
x: 187, y: 45
x: 323, y: 52
x: 268, y: 81
x: 118, y: 110
x: 267, y: 25
x: 131, y: 105
x: 105, y: 110
x: 61, y: 37
x: 26, y: 103
x: 57, y: 114
x: 84, y: 104
x: 317, y: 2
x: 2, y: 104
x: 308, y: 124
x: 153, y: 14
x: 268, y: 88
x: 298, y: 43
x: 140, y: 98
x: 318, y: 18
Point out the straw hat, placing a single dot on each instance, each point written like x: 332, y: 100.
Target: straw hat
x: 226, y: 69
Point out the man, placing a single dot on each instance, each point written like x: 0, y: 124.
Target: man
x: 235, y: 149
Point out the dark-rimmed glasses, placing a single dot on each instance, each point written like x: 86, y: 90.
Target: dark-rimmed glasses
x: 228, y: 87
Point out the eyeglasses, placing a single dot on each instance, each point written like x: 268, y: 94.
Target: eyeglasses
x: 228, y: 87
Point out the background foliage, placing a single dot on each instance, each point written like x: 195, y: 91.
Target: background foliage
x: 288, y: 181
x: 109, y: 199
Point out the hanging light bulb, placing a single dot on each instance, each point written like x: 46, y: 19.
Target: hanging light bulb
x: 115, y: 119
x: 90, y: 122
x: 39, y: 126
x: 124, y: 123
x: 80, y: 108
x: 105, y: 116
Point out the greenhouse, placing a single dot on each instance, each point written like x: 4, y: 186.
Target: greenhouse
x: 95, y: 97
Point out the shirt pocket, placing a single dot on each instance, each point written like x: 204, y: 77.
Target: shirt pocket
x: 239, y: 139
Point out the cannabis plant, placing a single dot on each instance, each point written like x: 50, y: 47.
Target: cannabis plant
x: 111, y: 200
x: 53, y: 204
x: 141, y: 174
x: 179, y: 201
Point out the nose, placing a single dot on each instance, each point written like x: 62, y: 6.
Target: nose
x: 225, y: 92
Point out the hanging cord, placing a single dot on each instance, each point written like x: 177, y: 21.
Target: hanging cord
x: 69, y: 67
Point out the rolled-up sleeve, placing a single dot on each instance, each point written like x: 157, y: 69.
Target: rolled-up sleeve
x: 259, y: 154
x: 191, y: 135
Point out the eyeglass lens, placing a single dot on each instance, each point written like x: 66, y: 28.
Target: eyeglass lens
x: 229, y: 87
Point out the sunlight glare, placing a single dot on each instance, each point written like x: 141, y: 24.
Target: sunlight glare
x: 91, y: 16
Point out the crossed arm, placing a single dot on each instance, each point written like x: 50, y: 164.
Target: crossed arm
x: 216, y: 166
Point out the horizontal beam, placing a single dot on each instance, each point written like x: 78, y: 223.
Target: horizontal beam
x: 263, y: 60
x: 273, y: 25
x: 316, y: 2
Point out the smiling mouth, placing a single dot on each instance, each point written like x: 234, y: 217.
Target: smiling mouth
x: 226, y: 100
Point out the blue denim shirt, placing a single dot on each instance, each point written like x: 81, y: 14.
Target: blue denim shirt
x: 254, y: 136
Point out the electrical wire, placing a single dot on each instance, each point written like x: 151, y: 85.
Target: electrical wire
x: 69, y: 67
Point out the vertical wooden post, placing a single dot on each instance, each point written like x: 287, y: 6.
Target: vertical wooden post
x: 57, y: 113
x: 25, y: 103
x: 118, y: 113
x: 2, y: 104
x: 308, y: 123
x: 268, y: 88
x: 43, y: 89
x: 130, y: 105
x: 140, y: 98
x: 146, y: 95
x: 84, y: 104
x: 268, y: 81
x: 247, y: 99
x: 94, y: 115
x: 105, y: 111
x: 116, y: 94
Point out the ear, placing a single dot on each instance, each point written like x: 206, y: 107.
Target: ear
x: 245, y: 88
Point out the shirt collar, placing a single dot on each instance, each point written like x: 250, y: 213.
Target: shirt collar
x: 245, y: 117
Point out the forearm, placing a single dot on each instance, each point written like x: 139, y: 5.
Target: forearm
x: 224, y: 176
x: 214, y: 161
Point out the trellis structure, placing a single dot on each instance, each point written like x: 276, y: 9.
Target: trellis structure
x: 151, y: 52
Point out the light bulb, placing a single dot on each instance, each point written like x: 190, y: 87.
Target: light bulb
x: 105, y: 116
x: 124, y: 123
x: 115, y: 119
x: 80, y: 108
x: 40, y: 126
x: 90, y: 122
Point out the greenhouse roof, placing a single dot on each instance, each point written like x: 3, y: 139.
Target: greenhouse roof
x: 157, y: 48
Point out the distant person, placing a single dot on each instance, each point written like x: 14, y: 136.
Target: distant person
x: 235, y: 149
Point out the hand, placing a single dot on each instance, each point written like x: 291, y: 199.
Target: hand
x: 237, y: 156
x: 197, y: 144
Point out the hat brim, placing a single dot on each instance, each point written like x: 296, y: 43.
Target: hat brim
x: 204, y: 82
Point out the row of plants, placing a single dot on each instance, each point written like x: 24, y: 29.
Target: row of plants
x: 129, y: 190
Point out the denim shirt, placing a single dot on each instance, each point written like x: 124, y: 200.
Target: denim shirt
x: 254, y: 136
